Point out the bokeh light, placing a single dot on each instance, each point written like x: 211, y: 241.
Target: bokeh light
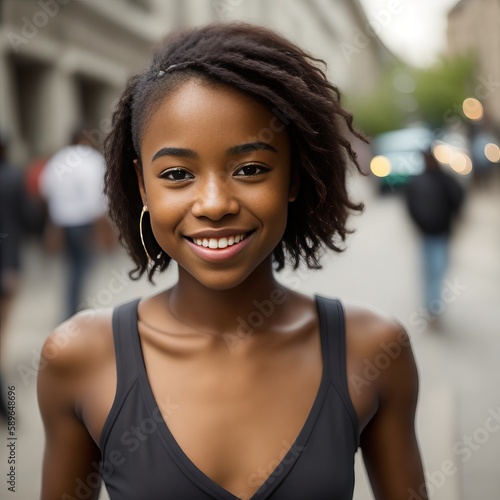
x: 473, y: 109
x: 461, y: 163
x: 468, y: 166
x: 442, y: 153
x: 380, y: 166
x: 492, y: 152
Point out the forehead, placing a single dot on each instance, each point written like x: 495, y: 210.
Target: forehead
x: 201, y: 114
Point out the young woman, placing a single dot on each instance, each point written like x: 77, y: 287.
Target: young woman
x: 227, y: 156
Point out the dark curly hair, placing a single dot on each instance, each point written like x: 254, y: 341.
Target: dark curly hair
x: 290, y: 83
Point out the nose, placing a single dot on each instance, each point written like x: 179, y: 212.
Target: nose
x: 214, y: 197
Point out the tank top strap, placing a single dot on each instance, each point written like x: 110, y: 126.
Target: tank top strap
x: 124, y: 333
x: 332, y: 328
x: 333, y: 338
x: 124, y: 324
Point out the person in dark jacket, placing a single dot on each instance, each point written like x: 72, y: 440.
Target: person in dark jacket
x: 434, y: 199
x: 12, y: 198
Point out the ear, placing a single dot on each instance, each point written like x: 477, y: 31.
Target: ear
x: 140, y: 180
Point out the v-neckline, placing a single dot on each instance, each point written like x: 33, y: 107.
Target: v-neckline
x: 189, y: 468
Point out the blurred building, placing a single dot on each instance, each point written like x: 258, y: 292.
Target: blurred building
x: 63, y: 62
x: 474, y: 28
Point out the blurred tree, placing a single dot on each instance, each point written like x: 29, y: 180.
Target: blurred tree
x: 376, y: 112
x: 405, y: 95
x: 443, y: 87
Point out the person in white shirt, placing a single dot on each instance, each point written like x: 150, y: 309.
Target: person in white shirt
x: 72, y: 184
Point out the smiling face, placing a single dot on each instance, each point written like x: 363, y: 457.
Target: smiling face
x: 216, y: 181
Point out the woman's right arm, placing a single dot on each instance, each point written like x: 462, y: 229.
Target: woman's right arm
x: 71, y: 458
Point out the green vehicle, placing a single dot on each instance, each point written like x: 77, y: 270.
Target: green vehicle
x: 397, y: 156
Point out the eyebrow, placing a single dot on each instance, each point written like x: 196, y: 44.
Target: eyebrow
x: 178, y: 152
x: 233, y: 150
x: 250, y: 146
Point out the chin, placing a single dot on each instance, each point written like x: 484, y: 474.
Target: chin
x: 220, y: 278
x: 221, y: 281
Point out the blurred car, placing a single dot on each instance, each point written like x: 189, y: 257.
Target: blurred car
x: 397, y: 155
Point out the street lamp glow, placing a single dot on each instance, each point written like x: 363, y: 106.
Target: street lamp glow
x: 380, y: 166
x: 492, y: 152
x: 473, y: 109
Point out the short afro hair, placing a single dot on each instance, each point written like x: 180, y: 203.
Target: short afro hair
x: 285, y: 79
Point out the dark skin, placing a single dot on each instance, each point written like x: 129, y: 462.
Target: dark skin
x: 252, y: 394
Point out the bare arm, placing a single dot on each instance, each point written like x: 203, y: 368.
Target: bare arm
x: 71, y: 458
x: 389, y: 443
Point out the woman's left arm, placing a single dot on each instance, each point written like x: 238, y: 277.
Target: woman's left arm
x: 388, y: 442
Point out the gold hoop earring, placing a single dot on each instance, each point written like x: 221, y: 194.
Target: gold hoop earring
x: 144, y: 210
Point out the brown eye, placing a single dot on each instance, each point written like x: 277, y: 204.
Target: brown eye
x: 250, y: 170
x: 176, y: 175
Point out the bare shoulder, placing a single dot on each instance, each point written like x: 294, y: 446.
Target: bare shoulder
x: 370, y: 330
x: 71, y: 356
x: 78, y: 343
x: 380, y: 354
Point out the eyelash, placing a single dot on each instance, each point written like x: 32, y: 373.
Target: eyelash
x: 178, y: 170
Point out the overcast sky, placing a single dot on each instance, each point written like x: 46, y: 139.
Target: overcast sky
x: 417, y: 32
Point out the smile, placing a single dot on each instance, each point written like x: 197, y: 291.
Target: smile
x: 219, y: 242
x: 222, y: 248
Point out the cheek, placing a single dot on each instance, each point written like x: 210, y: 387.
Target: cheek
x: 274, y: 205
x: 165, y: 212
x: 163, y: 202
x: 271, y: 207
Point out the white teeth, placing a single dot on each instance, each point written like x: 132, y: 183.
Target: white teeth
x: 218, y: 242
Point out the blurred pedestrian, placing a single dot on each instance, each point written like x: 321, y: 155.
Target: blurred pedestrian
x: 12, y: 197
x: 36, y: 214
x: 434, y: 199
x: 72, y: 184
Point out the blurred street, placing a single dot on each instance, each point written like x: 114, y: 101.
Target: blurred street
x: 457, y: 357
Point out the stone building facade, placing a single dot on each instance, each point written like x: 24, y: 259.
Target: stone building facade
x: 63, y: 62
x: 474, y: 28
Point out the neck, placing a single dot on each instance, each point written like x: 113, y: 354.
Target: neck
x: 248, y: 306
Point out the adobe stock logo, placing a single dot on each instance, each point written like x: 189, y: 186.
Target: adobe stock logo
x: 31, y: 27
x: 224, y: 8
x: 450, y: 292
x: 362, y: 38
x: 465, y: 448
x: 255, y: 319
